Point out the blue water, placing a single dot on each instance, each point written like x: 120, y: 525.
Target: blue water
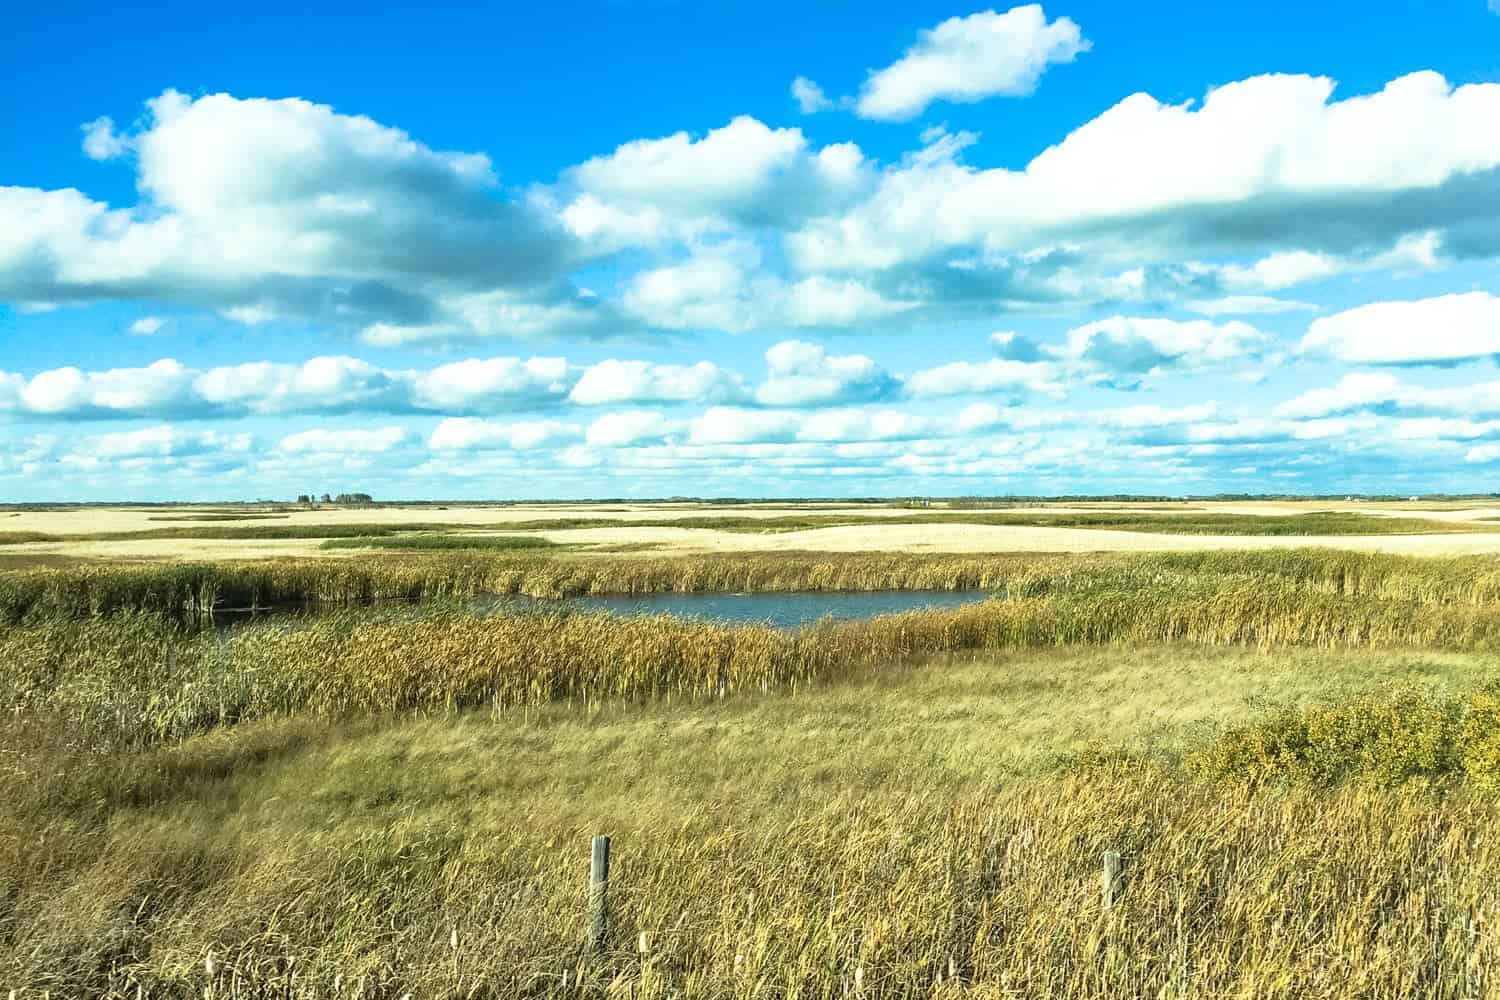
x: 782, y: 610
x: 779, y: 610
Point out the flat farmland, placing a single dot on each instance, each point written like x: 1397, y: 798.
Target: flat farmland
x: 192, y: 533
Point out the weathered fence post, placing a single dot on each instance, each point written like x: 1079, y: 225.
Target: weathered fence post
x: 599, y: 894
x: 1113, y: 883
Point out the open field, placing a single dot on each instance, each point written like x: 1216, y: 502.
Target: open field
x: 689, y: 529
x: 1296, y: 752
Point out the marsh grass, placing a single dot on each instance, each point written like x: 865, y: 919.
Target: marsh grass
x: 441, y: 542
x: 873, y: 838
x: 192, y: 590
x: 1296, y: 753
x: 218, y: 517
x: 137, y: 678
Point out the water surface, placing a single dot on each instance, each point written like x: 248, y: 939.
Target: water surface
x: 784, y: 610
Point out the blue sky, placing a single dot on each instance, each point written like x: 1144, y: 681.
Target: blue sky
x: 646, y: 249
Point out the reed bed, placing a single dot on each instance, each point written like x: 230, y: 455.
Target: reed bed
x: 390, y: 801
x: 138, y: 678
x: 421, y: 541
x: 1229, y: 891
x: 191, y: 591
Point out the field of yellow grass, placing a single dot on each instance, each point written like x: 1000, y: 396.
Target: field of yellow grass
x: 391, y: 792
x: 161, y: 533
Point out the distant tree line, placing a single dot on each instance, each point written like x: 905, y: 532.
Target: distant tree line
x: 342, y: 498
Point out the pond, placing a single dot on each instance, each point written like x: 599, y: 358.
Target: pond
x: 785, y: 610
x: 782, y: 610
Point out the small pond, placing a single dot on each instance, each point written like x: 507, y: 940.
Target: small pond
x: 786, y: 610
x: 782, y: 610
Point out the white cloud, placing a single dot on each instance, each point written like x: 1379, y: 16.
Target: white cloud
x: 728, y: 425
x: 723, y: 287
x: 810, y: 97
x: 969, y: 377
x: 864, y: 425
x: 1484, y: 454
x: 491, y: 384
x: 473, y: 434
x: 1443, y: 330
x: 804, y: 374
x: 1281, y: 270
x: 644, y: 382
x: 167, y: 388
x: 1122, y: 351
x: 1247, y: 305
x: 617, y: 430
x: 1270, y: 167
x: 1382, y: 392
x: 147, y: 326
x: 967, y: 59
x: 162, y: 441
x: 344, y: 441
x: 745, y: 173
x: 271, y: 209
x: 102, y: 142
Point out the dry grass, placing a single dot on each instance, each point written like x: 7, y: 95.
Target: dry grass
x: 377, y: 803
x: 925, y: 833
x: 690, y: 529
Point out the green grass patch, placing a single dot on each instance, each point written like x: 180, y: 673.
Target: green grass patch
x: 219, y: 517
x: 446, y: 542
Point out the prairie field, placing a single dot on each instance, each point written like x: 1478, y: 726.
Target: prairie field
x: 391, y: 791
x: 252, y: 532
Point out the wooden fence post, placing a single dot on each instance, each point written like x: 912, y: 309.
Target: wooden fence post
x: 1113, y: 883
x: 599, y: 894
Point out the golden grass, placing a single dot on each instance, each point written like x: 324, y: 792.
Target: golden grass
x: 380, y: 802
x: 135, y: 534
x: 921, y: 834
x: 135, y: 678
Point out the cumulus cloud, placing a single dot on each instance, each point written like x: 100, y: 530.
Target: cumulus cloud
x: 744, y: 173
x: 355, y: 441
x: 723, y: 287
x: 804, y: 374
x: 1121, y: 351
x: 1247, y: 305
x: 474, y: 434
x: 966, y: 59
x: 630, y: 427
x: 164, y: 441
x: 102, y: 142
x: 265, y: 209
x: 286, y: 210
x: 1445, y: 330
x: 337, y: 384
x: 147, y: 326
x: 1271, y: 167
x: 810, y: 97
x: 1384, y: 393
x: 1001, y: 375
x: 730, y: 425
x: 615, y: 381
